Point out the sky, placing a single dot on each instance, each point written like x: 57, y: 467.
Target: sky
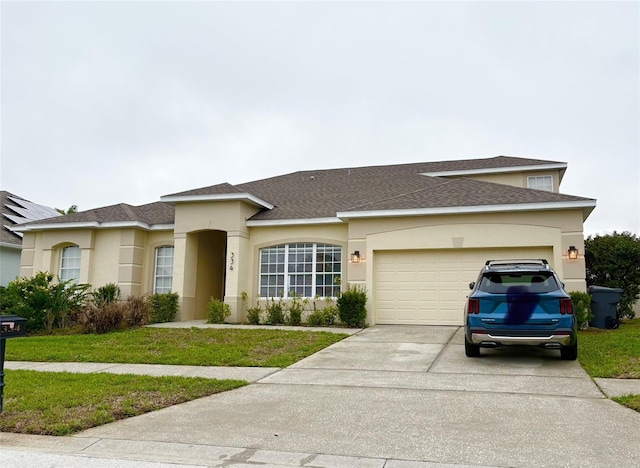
x: 124, y: 102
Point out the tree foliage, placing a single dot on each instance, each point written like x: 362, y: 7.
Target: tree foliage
x: 613, y: 261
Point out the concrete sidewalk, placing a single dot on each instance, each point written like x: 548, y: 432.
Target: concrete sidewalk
x: 393, y: 396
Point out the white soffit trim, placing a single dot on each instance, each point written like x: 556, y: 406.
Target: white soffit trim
x: 293, y: 222
x: 469, y: 209
x: 218, y: 197
x: 496, y: 170
x: 93, y: 225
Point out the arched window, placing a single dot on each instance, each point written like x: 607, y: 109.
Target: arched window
x: 70, y: 263
x: 163, y: 276
x: 304, y: 270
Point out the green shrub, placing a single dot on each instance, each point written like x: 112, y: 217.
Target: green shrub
x: 43, y: 300
x: 217, y: 311
x: 275, y: 312
x: 581, y: 307
x: 108, y: 293
x: 316, y: 319
x: 351, y: 307
x: 323, y: 317
x: 296, y: 307
x: 330, y: 314
x: 163, y: 307
x: 253, y: 315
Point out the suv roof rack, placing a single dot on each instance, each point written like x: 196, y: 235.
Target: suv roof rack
x: 516, y: 262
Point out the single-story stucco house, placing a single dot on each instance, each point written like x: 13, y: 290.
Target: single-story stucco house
x: 413, y: 235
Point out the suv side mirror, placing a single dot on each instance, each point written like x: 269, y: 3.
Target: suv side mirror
x: 472, y: 285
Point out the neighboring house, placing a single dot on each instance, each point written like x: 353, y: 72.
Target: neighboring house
x: 16, y: 210
x: 413, y: 235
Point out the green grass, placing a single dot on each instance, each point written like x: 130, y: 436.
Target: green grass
x: 61, y: 403
x: 64, y: 403
x: 195, y: 346
x: 611, y: 353
x: 631, y: 401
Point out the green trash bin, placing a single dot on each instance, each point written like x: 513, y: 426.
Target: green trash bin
x: 604, y: 305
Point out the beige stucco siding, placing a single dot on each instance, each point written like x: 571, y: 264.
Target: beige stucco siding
x: 551, y: 232
x: 122, y: 256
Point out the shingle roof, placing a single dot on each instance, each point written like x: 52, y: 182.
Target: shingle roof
x: 151, y: 214
x: 16, y: 210
x: 324, y: 193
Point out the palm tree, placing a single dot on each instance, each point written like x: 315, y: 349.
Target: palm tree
x: 72, y: 209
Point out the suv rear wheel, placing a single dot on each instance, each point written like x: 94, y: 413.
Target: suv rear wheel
x: 470, y: 349
x: 569, y: 353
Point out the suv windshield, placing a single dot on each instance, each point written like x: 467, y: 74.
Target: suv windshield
x: 526, y: 282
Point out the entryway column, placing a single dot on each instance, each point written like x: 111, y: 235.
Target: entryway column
x: 184, y: 274
x: 237, y: 271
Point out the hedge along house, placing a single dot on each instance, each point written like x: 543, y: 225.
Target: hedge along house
x: 413, y: 235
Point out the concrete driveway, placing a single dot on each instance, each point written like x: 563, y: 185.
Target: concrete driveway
x: 392, y: 396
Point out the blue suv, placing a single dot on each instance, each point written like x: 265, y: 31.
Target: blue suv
x: 519, y: 302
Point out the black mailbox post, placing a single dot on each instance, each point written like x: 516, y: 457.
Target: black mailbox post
x: 11, y: 326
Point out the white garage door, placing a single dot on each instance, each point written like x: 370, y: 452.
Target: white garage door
x: 429, y: 287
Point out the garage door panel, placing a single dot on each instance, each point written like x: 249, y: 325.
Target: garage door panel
x: 430, y: 286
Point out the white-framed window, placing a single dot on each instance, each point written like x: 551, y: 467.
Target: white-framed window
x: 304, y: 270
x: 70, y: 263
x: 540, y: 183
x: 163, y: 273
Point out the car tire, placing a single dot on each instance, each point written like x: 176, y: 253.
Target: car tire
x: 569, y: 353
x: 470, y: 349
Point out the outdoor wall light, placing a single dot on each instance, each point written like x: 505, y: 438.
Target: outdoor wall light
x: 355, y: 257
x: 572, y: 253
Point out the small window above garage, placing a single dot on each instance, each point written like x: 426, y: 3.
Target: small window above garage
x: 540, y: 183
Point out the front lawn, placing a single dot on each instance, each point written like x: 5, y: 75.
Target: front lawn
x: 61, y: 403
x: 182, y: 346
x: 613, y: 354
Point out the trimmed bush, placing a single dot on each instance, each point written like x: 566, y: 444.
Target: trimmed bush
x: 164, y: 307
x: 217, y: 311
x: 582, y: 308
x: 351, y: 307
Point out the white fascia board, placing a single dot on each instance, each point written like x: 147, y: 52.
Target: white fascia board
x: 498, y: 170
x: 6, y: 245
x: 469, y: 209
x: 293, y: 222
x: 218, y: 197
x: 93, y: 225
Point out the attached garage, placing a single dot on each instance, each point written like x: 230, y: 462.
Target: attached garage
x: 429, y: 287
